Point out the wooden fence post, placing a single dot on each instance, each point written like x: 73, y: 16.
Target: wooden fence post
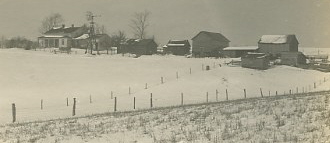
x: 297, y: 90
x: 161, y: 80
x: 244, y: 93
x: 190, y: 71
x: 129, y: 90
x: 146, y: 87
x: 216, y: 94
x: 276, y: 93
x: 290, y: 91
x: 115, y: 109
x: 314, y: 85
x: 134, y: 103
x: 177, y: 75
x: 41, y: 104
x: 151, y: 105
x: 207, y: 97
x: 262, y: 95
x: 90, y: 99
x: 226, y: 94
x: 67, y: 101
x: 268, y: 92
x: 14, y: 112
x: 181, y: 99
x: 74, y: 107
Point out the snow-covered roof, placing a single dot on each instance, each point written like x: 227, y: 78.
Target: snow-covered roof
x: 84, y: 36
x: 274, y: 39
x: 252, y: 48
x: 175, y: 44
x: 53, y: 36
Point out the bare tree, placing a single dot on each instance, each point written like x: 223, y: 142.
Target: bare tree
x: 3, y: 42
x: 53, y: 20
x: 139, y: 24
x: 100, y: 29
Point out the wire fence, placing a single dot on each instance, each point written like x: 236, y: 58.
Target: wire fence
x: 118, y: 102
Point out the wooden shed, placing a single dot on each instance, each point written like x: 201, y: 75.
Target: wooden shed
x: 255, y: 61
x: 235, y: 52
x: 177, y: 47
x: 274, y: 45
x: 209, y: 44
x: 293, y: 58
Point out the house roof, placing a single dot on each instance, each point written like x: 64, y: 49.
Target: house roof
x: 86, y: 36
x: 277, y: 39
x: 62, y: 30
x: 249, y: 48
x: 214, y: 36
x: 178, y: 43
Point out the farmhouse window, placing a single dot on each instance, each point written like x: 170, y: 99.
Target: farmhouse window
x: 62, y: 41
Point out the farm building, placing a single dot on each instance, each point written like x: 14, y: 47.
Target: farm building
x: 206, y: 44
x: 255, y: 61
x: 235, y: 52
x: 177, y: 47
x: 61, y: 37
x: 293, y: 58
x: 139, y: 47
x: 317, y: 58
x: 273, y: 45
x: 102, y: 41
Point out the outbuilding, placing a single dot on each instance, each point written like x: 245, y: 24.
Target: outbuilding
x: 235, y: 52
x: 274, y: 45
x: 293, y: 58
x: 177, y: 47
x: 255, y: 61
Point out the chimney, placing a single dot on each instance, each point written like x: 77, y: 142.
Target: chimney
x: 72, y: 25
x: 63, y: 25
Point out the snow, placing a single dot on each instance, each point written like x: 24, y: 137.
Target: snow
x: 53, y: 36
x: 241, y: 48
x: 55, y: 77
x: 275, y: 39
x: 84, y: 36
x: 175, y: 44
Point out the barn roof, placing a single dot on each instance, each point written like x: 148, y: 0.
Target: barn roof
x: 277, y: 39
x: 249, y: 48
x: 213, y: 35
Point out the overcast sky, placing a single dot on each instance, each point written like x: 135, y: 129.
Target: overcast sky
x: 241, y: 21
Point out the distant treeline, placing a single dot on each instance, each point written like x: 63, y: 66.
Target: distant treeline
x: 18, y: 42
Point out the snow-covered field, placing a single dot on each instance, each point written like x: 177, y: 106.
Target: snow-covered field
x: 27, y: 77
x: 293, y: 118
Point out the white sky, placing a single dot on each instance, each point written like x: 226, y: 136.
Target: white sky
x: 241, y: 21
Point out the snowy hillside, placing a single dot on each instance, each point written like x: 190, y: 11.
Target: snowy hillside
x: 27, y: 77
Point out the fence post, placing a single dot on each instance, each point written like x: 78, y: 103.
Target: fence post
x: 129, y: 90
x: 268, y: 92
x: 151, y: 105
x: 244, y: 93
x: 202, y: 67
x: 181, y: 99
x: 74, y: 107
x: 134, y: 103
x: 226, y: 94
x: 276, y: 93
x: 177, y: 75
x: 111, y: 95
x: 13, y: 112
x: 41, y: 104
x: 290, y: 91
x: 297, y: 90
x: 262, y: 95
x: 115, y: 109
x: 314, y: 85
x: 161, y: 80
x: 190, y: 71
x: 90, y: 98
x: 207, y: 97
x: 216, y: 94
x: 146, y: 87
x: 67, y: 101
